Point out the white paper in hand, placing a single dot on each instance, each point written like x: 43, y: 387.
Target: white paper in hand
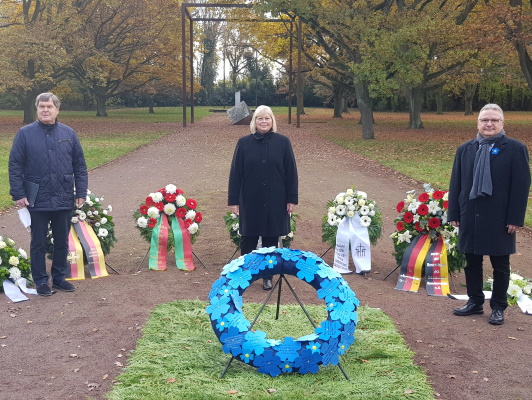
x: 25, y: 218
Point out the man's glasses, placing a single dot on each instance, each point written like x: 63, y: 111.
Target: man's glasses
x: 485, y: 121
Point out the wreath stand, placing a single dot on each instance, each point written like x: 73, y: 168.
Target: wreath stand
x: 279, y: 284
x: 148, y: 252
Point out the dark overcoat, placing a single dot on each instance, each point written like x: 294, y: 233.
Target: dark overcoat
x: 52, y: 157
x: 483, y: 221
x: 262, y: 180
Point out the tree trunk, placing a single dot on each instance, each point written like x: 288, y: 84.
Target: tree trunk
x: 28, y: 104
x: 150, y: 106
x: 415, y: 101
x: 470, y: 90
x: 366, y: 110
x: 338, y: 100
x: 101, y: 108
x: 439, y: 102
x: 344, y: 105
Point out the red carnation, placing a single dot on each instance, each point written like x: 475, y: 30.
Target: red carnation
x: 149, y: 201
x: 162, y: 191
x: 191, y: 203
x: 144, y: 210
x: 400, y: 226
x: 438, y: 194
x: 152, y: 222
x: 399, y: 207
x: 198, y: 218
x: 181, y: 212
x: 408, y: 217
x: 446, y: 204
x: 434, y: 223
x: 188, y: 222
x: 179, y: 191
x: 418, y: 227
x: 159, y: 205
x: 170, y: 197
x: 423, y: 197
x: 423, y: 209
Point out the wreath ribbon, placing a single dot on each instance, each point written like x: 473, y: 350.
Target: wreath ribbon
x: 75, y: 264
x: 183, y: 246
x: 352, y: 234
x: 437, y: 269
x: 92, y: 248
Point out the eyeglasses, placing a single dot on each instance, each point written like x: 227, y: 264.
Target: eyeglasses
x: 486, y: 121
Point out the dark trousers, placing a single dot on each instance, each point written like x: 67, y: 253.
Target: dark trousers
x: 475, y: 279
x: 249, y: 243
x: 60, y: 225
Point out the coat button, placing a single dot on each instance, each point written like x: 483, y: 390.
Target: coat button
x: 264, y: 161
x: 264, y: 183
x: 265, y: 204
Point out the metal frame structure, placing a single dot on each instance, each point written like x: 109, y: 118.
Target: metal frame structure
x: 185, y: 14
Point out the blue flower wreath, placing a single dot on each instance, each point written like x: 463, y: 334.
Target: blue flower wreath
x: 330, y: 339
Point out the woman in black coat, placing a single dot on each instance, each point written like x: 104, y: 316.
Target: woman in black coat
x: 263, y: 184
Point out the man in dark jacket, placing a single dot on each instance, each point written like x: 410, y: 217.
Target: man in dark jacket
x: 48, y: 174
x: 488, y: 195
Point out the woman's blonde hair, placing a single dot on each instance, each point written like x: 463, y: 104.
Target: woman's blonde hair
x: 262, y: 110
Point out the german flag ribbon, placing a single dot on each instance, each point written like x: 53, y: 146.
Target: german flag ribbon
x: 437, y: 270
x: 183, y: 246
x: 159, y: 244
x: 412, y: 264
x: 75, y: 265
x: 92, y: 248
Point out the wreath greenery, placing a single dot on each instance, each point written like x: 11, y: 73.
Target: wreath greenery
x: 232, y: 226
x: 330, y: 339
x: 345, y: 205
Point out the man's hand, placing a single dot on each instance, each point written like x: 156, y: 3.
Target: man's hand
x: 234, y: 209
x: 79, y: 202
x: 455, y: 223
x: 22, y: 202
x: 512, y: 228
x: 290, y: 207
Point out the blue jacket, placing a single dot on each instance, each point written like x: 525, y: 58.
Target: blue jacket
x: 52, y: 157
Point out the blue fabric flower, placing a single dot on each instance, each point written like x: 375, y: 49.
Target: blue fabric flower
x: 347, y: 295
x: 239, y: 278
x: 237, y: 299
x: 345, y: 313
x: 287, y: 367
x: 330, y: 306
x: 238, y: 320
x: 273, y: 342
x: 329, y: 290
x: 288, y: 349
x: 307, y: 338
x: 329, y: 352
x: 216, y: 286
x: 328, y: 329
x: 347, y: 338
x: 253, y: 262
x: 326, y: 271
x: 222, y: 324
x: 247, y: 357
x: 265, y: 250
x: 232, y: 341
x: 218, y: 307
x: 308, y: 362
x: 268, y: 363
x: 289, y: 255
x: 307, y: 269
x: 233, y: 265
x: 255, y: 342
x: 314, y: 347
x: 270, y: 261
x: 311, y: 255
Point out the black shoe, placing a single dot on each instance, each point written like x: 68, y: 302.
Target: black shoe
x: 267, y: 284
x: 44, y: 290
x: 64, y: 285
x: 469, y: 309
x: 497, y: 317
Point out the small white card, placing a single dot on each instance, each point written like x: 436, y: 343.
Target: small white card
x: 25, y: 218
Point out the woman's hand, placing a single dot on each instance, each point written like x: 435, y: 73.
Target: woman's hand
x: 234, y: 209
x: 290, y: 207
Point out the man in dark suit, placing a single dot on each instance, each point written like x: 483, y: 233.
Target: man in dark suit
x: 488, y: 195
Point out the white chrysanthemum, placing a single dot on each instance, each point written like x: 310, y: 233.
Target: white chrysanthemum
x: 371, y: 205
x: 22, y: 252
x: 193, y: 228
x: 445, y: 196
x: 365, y: 221
x: 96, y: 199
x: 2, y: 244
x: 89, y: 213
x: 97, y: 224
x: 10, y: 242
x: 101, y: 199
x: 169, y: 209
x: 142, y: 222
x: 291, y: 234
x: 351, y: 208
x: 78, y: 211
x: 341, y: 209
x: 372, y: 213
x: 361, y: 202
x: 190, y: 214
x: 350, y: 214
x: 153, y: 212
x: 88, y: 191
x: 404, y: 237
x: 349, y: 192
x: 13, y: 260
x: 74, y: 220
x: 527, y: 289
x: 233, y: 215
x: 331, y: 219
x: 95, y: 212
x: 349, y: 201
x: 514, y: 290
x: 515, y: 277
x: 157, y: 197
x: 235, y: 227
x: 434, y: 207
x: 87, y: 199
x: 103, y: 220
x: 170, y: 188
x: 362, y: 195
x: 105, y: 212
x: 364, y: 210
x: 110, y: 207
x: 340, y: 200
x: 331, y: 210
x: 102, y: 232
x: 14, y: 273
x: 180, y: 200
x: 90, y: 203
